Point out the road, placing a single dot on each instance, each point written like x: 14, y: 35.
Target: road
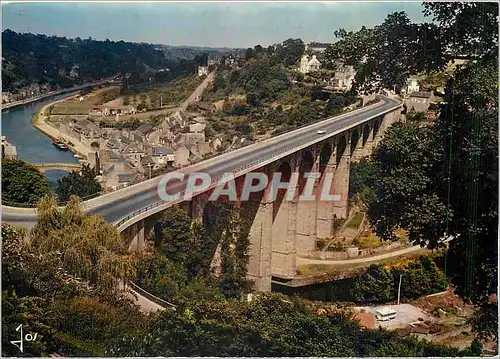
x: 362, y: 260
x: 8, y: 105
x: 198, y: 92
x: 119, y: 204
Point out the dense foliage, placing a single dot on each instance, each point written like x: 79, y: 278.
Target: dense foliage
x: 441, y: 182
x: 44, y: 291
x: 81, y: 184
x: 87, y: 246
x: 30, y: 58
x: 22, y: 183
x: 387, y: 54
x: 362, y: 179
x: 380, y: 284
x: 53, y: 283
x: 270, y: 325
x: 384, y: 56
x: 261, y: 78
x: 184, y: 251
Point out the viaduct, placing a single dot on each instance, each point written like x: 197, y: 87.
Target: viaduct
x: 280, y: 230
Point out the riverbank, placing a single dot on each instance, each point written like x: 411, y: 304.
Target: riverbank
x: 27, y: 101
x: 40, y: 122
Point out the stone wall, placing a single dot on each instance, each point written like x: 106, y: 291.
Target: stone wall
x: 355, y: 252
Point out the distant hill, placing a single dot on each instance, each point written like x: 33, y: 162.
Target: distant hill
x: 63, y: 62
x: 189, y: 52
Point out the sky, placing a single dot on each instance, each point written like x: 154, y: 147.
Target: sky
x: 216, y: 24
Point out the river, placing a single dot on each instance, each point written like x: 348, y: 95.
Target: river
x: 32, y: 145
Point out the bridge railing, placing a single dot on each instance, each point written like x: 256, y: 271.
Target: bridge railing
x: 215, y: 179
x: 59, y: 203
x: 151, y: 297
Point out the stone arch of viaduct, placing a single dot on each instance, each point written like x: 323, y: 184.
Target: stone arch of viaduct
x: 282, y: 229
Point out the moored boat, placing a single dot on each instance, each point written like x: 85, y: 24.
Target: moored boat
x: 61, y: 145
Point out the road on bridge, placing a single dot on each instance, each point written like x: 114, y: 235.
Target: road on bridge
x: 120, y: 204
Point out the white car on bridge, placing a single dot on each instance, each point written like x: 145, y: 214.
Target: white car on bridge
x: 321, y: 132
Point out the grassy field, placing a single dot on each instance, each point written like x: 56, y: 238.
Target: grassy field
x: 356, y: 220
x: 318, y: 269
x: 73, y: 106
x: 169, y: 95
x: 368, y: 241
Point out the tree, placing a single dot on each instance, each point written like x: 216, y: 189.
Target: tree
x: 290, y: 51
x: 453, y: 186
x: 81, y: 184
x: 384, y: 56
x: 362, y: 179
x: 173, y: 233
x: 22, y: 182
x: 470, y: 29
x: 220, y: 82
x: 376, y: 285
x: 249, y: 53
x: 405, y: 186
x: 87, y: 246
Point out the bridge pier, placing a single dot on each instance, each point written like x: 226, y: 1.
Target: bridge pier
x: 358, y: 152
x: 369, y: 144
x: 305, y: 228
x: 341, y: 182
x: 134, y: 235
x: 197, y: 205
x: 260, y: 249
x: 325, y: 211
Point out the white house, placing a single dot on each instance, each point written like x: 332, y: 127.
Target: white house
x: 307, y: 65
x: 343, y: 78
x: 412, y: 86
x: 202, y: 71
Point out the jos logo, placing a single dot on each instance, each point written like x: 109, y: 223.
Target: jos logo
x: 30, y: 337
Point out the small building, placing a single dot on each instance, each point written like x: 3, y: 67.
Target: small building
x: 8, y: 151
x: 201, y: 148
x: 307, y: 66
x: 181, y: 118
x: 197, y: 127
x: 119, y: 174
x: 163, y: 155
x: 147, y: 161
x: 181, y: 157
x: 202, y: 71
x: 206, y: 106
x: 133, y: 154
x: 419, y: 101
x: 114, y: 145
x: 343, y: 78
x: 6, y: 97
x: 145, y: 129
x: 412, y: 85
